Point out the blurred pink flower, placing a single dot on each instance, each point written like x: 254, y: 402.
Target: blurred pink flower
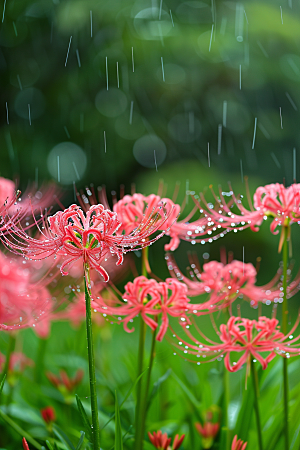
x: 224, y: 283
x: 238, y: 444
x: 22, y: 301
x: 149, y: 298
x: 208, y: 430
x: 48, y: 414
x: 260, y: 339
x: 91, y: 238
x: 162, y: 442
x: 18, y: 361
x: 276, y: 201
x: 64, y: 381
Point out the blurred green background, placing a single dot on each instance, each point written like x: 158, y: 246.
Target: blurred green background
x: 125, y: 92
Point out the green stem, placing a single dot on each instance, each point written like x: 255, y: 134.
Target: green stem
x: 227, y: 401
x: 284, y: 330
x: 40, y: 358
x: 10, y: 349
x: 19, y: 430
x: 256, y: 406
x: 139, y: 401
x: 138, y: 434
x: 146, y: 392
x: 91, y: 358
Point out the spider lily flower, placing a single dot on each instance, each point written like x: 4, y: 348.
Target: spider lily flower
x: 276, y: 201
x: 17, y: 362
x: 224, y: 283
x: 238, y: 444
x: 162, y: 442
x: 208, y: 432
x: 132, y: 210
x: 92, y: 237
x: 23, y: 302
x: 259, y: 339
x: 149, y: 298
x: 65, y: 383
x: 48, y: 414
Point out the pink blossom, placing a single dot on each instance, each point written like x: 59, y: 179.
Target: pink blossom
x: 208, y: 430
x: 260, y: 339
x: 132, y: 209
x: 25, y: 445
x: 64, y: 381
x: 90, y: 237
x: 18, y: 361
x: 224, y: 283
x: 162, y: 442
x: 276, y: 201
x: 22, y: 301
x: 238, y: 444
x: 149, y: 298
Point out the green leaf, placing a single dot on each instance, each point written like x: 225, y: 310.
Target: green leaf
x: 85, y: 419
x: 61, y: 435
x: 126, y: 397
x: 80, y: 442
x: 2, y: 383
x: 157, y: 385
x: 244, y: 418
x: 118, y: 432
x: 49, y: 445
x: 189, y: 394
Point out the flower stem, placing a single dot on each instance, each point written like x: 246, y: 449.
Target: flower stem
x: 91, y: 358
x: 40, y: 358
x: 256, y: 406
x: 226, y: 405
x: 19, y: 430
x: 10, y: 349
x: 138, y: 410
x: 284, y: 330
x: 146, y: 392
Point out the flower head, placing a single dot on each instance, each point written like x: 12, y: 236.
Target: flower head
x: 276, y: 201
x: 64, y: 382
x: 224, y: 283
x: 132, y: 209
x: 149, y: 298
x: 48, y: 414
x: 18, y: 361
x: 162, y: 442
x: 90, y: 237
x: 259, y: 339
x: 22, y: 300
x: 208, y: 431
x: 238, y: 444
x: 25, y: 445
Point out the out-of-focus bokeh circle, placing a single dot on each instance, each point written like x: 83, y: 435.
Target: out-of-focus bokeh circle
x: 150, y: 151
x: 67, y: 162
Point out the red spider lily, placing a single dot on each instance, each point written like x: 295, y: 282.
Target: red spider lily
x: 260, y: 339
x: 149, y: 298
x: 276, y: 201
x: 64, y: 381
x: 17, y: 362
x: 132, y: 209
x: 224, y: 283
x: 91, y: 238
x: 23, y: 301
x: 162, y: 441
x: 208, y: 432
x: 48, y: 414
x: 238, y: 444
x: 25, y: 445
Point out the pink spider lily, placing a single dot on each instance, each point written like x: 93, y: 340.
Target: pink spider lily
x: 276, y: 201
x: 161, y: 440
x: 208, y: 431
x: 22, y: 301
x: 132, y: 209
x: 238, y: 444
x: 64, y: 382
x: 18, y: 362
x: 149, y: 298
x: 48, y: 414
x: 92, y: 237
x: 260, y: 339
x: 224, y: 283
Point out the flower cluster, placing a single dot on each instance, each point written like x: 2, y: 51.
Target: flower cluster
x: 148, y: 297
x: 161, y: 441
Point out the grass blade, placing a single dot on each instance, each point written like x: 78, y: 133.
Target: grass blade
x: 118, y: 432
x: 85, y: 419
